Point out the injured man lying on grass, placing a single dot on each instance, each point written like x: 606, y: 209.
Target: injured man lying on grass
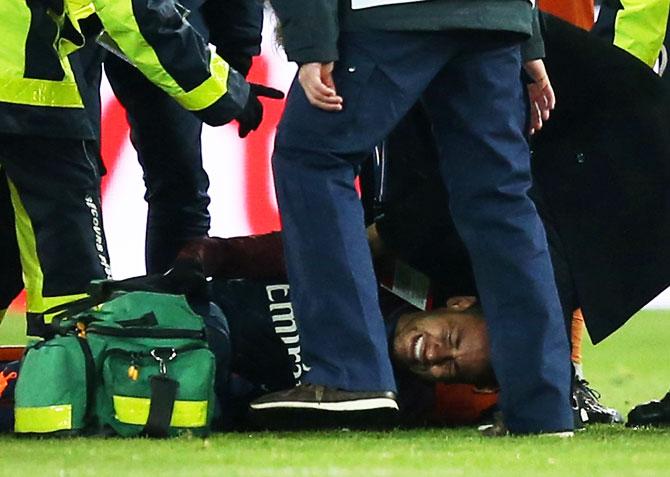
x: 429, y: 349
x: 436, y: 330
x: 441, y: 356
x: 604, y: 212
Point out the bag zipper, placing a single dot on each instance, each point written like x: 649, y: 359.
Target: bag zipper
x: 145, y: 333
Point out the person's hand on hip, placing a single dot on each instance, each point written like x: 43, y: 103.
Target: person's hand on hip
x: 540, y: 93
x: 317, y: 81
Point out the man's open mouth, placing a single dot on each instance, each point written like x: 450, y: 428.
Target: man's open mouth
x: 418, y: 347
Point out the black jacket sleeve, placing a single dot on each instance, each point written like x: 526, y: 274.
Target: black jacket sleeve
x: 235, y: 28
x: 533, y: 47
x: 155, y: 38
x: 309, y: 29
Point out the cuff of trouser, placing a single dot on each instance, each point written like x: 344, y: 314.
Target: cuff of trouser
x: 546, y: 426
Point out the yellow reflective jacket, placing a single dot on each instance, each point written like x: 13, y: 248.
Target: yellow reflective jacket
x: 640, y: 28
x: 41, y: 81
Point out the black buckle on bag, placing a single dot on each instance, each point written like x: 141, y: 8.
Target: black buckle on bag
x: 163, y: 355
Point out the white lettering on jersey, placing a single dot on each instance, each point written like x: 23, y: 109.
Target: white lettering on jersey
x: 285, y: 326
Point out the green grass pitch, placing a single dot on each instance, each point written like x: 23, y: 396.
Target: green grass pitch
x: 629, y: 367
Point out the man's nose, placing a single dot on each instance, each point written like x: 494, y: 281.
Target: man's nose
x: 438, y: 352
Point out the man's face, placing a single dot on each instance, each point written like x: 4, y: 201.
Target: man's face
x: 444, y: 345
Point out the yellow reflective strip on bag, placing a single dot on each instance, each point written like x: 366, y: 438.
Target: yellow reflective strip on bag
x: 132, y: 410
x: 43, y: 419
x: 189, y: 414
x: 209, y: 90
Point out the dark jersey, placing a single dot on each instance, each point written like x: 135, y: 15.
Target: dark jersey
x: 264, y: 334
x: 266, y: 351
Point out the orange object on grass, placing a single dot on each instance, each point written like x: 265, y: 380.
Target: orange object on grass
x: 577, y: 331
x: 4, y: 380
x: 11, y: 353
x: 461, y: 404
x: 578, y: 12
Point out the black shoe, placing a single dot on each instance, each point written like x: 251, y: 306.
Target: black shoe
x: 322, y: 398
x: 310, y: 406
x: 652, y: 413
x: 590, y: 410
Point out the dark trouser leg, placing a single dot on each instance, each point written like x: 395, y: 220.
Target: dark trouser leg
x: 478, y: 122
x: 10, y: 265
x: 343, y: 332
x: 55, y: 189
x: 315, y: 162
x: 559, y: 260
x: 167, y: 140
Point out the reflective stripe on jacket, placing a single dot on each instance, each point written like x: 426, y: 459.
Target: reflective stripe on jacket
x: 640, y: 28
x: 39, y: 81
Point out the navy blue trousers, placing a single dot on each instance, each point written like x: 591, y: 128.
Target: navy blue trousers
x: 167, y: 140
x: 470, y: 83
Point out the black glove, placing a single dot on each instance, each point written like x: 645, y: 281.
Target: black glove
x: 252, y: 114
x: 240, y: 63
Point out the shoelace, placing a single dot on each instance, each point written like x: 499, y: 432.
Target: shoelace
x: 589, y: 390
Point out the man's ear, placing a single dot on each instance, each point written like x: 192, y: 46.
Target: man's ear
x: 461, y: 303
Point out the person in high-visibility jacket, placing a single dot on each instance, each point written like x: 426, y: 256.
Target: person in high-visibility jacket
x: 166, y: 137
x: 637, y: 26
x: 48, y: 148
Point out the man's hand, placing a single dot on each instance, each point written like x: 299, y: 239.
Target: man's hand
x: 540, y: 93
x: 252, y: 114
x: 317, y: 81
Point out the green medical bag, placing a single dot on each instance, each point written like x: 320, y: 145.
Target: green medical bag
x: 137, y: 364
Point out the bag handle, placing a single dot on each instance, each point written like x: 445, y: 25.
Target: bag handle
x: 186, y: 281
x: 163, y: 397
